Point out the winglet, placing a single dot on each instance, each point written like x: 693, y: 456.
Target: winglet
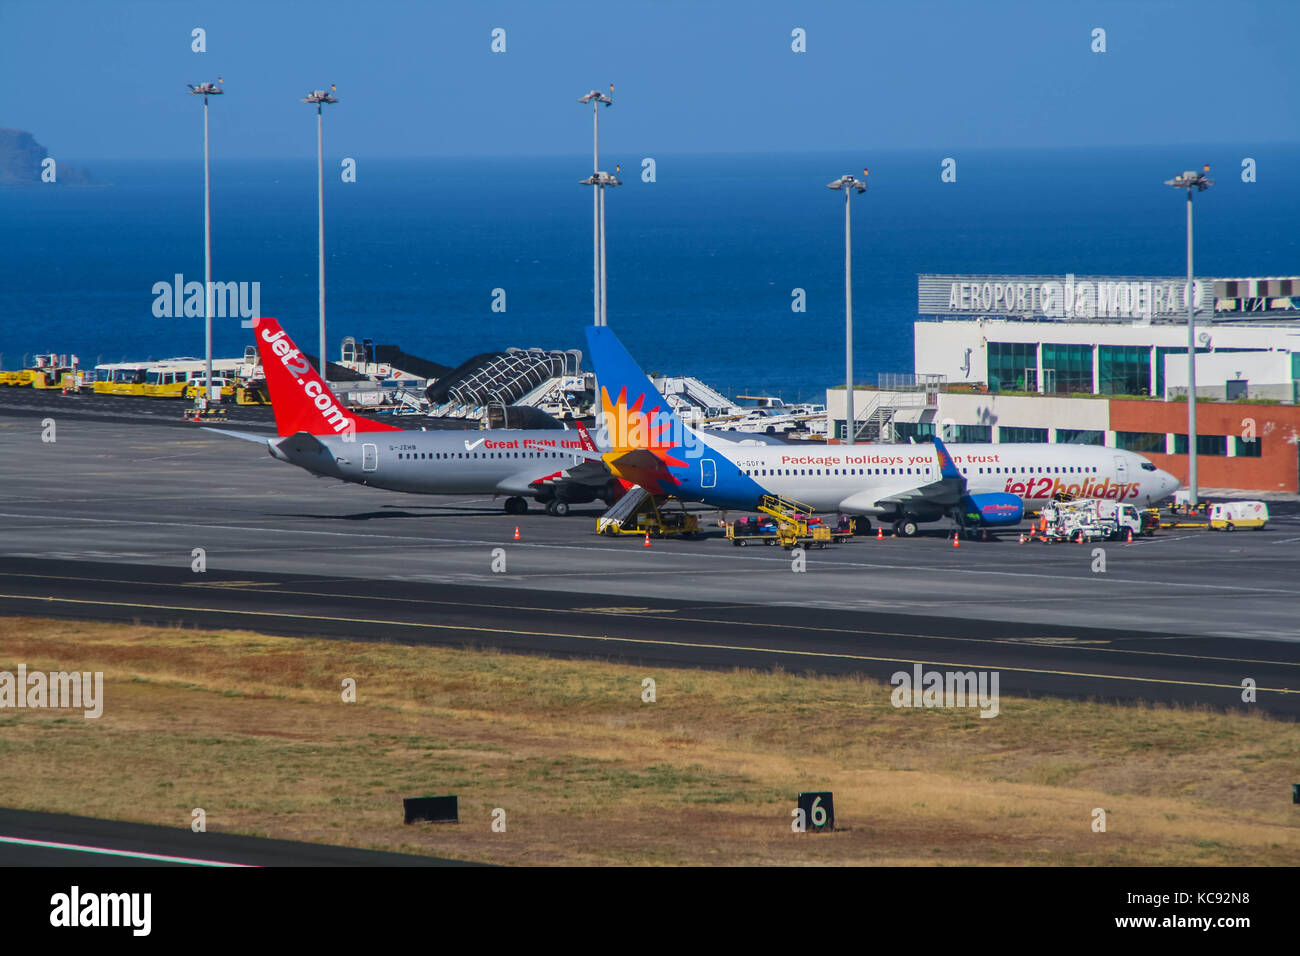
x: 585, y: 437
x: 946, y: 467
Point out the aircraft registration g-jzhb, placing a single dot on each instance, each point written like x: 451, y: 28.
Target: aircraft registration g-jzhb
x: 977, y: 485
x: 555, y: 467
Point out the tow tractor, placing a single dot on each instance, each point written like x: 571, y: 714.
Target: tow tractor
x: 788, y: 523
x: 639, y: 512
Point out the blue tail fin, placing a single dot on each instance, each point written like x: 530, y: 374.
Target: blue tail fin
x: 636, y: 415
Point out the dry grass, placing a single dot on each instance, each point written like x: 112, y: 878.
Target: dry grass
x: 253, y: 729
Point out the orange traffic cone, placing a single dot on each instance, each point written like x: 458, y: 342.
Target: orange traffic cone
x: 516, y: 532
x: 1022, y: 537
x: 880, y: 533
x: 1130, y: 536
x: 647, y: 540
x: 956, y: 542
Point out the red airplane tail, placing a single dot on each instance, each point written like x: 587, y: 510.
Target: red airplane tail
x: 300, y: 399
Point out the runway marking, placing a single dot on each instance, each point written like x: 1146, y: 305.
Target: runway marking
x: 132, y: 854
x: 1076, y: 643
x: 692, y: 645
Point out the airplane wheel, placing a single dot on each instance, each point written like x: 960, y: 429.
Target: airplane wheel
x: 516, y: 506
x: 907, y: 528
x: 558, y: 508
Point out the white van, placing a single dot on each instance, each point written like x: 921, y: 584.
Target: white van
x: 1231, y: 515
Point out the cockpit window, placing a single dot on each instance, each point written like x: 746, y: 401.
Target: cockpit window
x: 1147, y: 466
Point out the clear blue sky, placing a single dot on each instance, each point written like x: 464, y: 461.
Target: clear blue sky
x: 105, y: 78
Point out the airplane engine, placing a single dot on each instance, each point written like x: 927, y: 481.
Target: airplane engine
x: 992, y: 510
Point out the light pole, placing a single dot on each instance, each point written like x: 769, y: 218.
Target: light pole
x: 1193, y: 182
x: 320, y: 98
x: 205, y: 90
x: 596, y: 99
x: 600, y: 180
x: 848, y: 184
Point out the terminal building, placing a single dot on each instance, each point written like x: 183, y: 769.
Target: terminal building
x: 1102, y: 360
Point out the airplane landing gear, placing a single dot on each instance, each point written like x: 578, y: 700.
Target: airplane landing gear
x: 557, y: 507
x: 516, y: 506
x: 906, y: 528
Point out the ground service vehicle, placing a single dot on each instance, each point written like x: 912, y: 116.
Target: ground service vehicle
x: 1231, y: 515
x: 1088, y: 519
x: 639, y: 512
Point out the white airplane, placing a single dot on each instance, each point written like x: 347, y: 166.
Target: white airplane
x: 555, y: 467
x: 977, y: 485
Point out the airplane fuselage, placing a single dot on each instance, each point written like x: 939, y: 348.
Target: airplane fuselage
x: 441, y: 462
x: 857, y: 479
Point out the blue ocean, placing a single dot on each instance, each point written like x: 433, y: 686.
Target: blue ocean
x: 702, y: 262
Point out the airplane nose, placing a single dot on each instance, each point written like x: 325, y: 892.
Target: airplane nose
x: 1169, y: 484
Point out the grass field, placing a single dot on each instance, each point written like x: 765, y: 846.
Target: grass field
x: 254, y: 730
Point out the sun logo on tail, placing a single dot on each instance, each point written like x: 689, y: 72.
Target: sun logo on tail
x: 631, y: 428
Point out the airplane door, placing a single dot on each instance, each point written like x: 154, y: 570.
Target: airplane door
x: 1121, y: 468
x: 708, y: 473
x: 369, y: 457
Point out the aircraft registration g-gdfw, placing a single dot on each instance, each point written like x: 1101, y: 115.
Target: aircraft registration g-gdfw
x: 555, y: 467
x: 977, y: 485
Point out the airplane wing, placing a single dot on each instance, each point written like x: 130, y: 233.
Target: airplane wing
x: 590, y: 471
x: 938, y: 494
x: 943, y: 493
x: 640, y: 466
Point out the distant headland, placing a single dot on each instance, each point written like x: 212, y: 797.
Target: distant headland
x: 23, y: 161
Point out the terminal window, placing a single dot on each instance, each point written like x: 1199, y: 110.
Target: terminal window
x: 1080, y: 436
x: 968, y: 434
x: 1124, y: 370
x: 920, y: 431
x: 1246, y: 449
x: 1012, y: 434
x: 1013, y: 366
x: 1205, y: 444
x: 1067, y: 368
x: 1142, y: 441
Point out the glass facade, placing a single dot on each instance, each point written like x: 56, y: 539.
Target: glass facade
x: 1012, y: 434
x: 1205, y: 444
x: 1080, y: 436
x: 921, y: 431
x: 1013, y: 366
x: 972, y: 433
x: 1247, y: 449
x: 1141, y: 441
x: 1124, y: 370
x: 1067, y: 368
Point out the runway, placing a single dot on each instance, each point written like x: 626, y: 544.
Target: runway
x: 103, y: 524
x: 30, y: 838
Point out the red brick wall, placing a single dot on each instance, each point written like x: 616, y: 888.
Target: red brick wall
x: 1275, y: 425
